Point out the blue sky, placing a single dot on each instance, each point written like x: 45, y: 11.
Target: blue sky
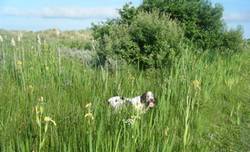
x: 79, y: 14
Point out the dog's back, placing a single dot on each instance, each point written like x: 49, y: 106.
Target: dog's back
x: 116, y: 102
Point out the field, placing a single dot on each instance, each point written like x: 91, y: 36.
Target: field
x: 52, y: 100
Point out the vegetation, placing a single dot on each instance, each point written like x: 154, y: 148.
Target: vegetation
x: 150, y: 41
x: 52, y: 102
x: 199, y: 21
x: 53, y: 93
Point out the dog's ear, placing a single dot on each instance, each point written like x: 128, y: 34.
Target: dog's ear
x: 143, y: 97
x: 155, y: 100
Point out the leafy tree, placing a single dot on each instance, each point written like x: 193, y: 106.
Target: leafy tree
x: 201, y: 20
x: 149, y: 39
x: 150, y: 35
x: 127, y: 13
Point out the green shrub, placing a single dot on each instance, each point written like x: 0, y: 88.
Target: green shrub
x: 233, y: 40
x: 150, y: 40
x: 150, y: 35
x: 201, y: 21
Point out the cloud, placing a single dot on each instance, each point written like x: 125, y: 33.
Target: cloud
x: 62, y: 12
x: 237, y: 16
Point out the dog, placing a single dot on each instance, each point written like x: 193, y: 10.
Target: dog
x: 142, y: 103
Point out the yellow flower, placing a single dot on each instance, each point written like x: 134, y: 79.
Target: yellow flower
x: 30, y: 88
x: 166, y: 131
x: 196, y: 84
x: 39, y: 109
x: 13, y: 43
x: 46, y: 68
x: 18, y: 62
x: 89, y: 115
x: 41, y: 99
x: 19, y: 37
x: 1, y: 38
x: 89, y: 105
x: 48, y: 119
x: 38, y: 39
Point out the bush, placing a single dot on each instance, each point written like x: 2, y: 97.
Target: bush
x: 201, y: 20
x: 149, y: 40
x: 150, y: 35
x: 233, y: 40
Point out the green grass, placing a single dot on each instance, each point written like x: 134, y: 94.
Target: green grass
x: 203, y: 103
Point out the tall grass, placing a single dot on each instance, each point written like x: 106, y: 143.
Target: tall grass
x: 203, y: 103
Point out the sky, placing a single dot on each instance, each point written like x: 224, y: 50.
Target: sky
x: 79, y: 14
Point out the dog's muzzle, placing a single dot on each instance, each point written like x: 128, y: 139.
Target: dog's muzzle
x: 151, y: 103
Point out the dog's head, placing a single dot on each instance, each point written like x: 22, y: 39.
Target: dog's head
x: 149, y: 99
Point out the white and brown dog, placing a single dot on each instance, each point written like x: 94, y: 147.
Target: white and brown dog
x: 140, y: 103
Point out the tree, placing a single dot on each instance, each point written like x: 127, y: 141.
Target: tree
x: 151, y: 34
x: 201, y: 20
x: 147, y: 40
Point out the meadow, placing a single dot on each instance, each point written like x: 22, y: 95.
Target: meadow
x: 53, y: 101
